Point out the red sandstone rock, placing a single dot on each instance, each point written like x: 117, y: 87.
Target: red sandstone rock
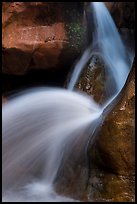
x: 35, y: 36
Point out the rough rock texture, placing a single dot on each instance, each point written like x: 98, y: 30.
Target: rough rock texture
x: 94, y: 80
x: 41, y: 35
x: 108, y: 187
x: 113, y: 151
x: 116, y: 139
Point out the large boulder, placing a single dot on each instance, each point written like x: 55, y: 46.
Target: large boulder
x: 41, y: 35
x: 112, y: 154
x: 111, y: 151
x: 115, y: 141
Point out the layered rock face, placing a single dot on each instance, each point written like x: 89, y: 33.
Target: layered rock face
x: 40, y: 35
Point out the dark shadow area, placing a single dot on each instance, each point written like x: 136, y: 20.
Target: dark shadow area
x: 34, y: 78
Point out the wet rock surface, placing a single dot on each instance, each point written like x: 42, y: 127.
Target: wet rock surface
x: 94, y: 80
x: 40, y: 35
x: 113, y: 151
x: 116, y: 137
x: 107, y: 187
x: 72, y: 178
x: 73, y: 182
x: 123, y: 13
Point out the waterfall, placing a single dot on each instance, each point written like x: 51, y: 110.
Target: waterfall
x: 108, y: 44
x: 40, y: 126
x: 37, y: 128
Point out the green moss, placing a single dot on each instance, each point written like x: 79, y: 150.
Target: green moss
x: 76, y: 33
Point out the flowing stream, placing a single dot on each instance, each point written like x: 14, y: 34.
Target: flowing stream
x: 40, y: 126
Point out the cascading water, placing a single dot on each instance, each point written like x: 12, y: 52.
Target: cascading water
x: 40, y: 126
x: 37, y: 129
x: 108, y: 44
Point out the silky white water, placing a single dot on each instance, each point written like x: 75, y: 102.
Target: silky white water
x: 41, y: 126
x: 108, y: 44
x: 37, y: 127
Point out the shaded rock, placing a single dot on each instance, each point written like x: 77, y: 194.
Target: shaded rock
x: 73, y: 182
x: 129, y: 40
x: 123, y: 13
x: 38, y: 35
